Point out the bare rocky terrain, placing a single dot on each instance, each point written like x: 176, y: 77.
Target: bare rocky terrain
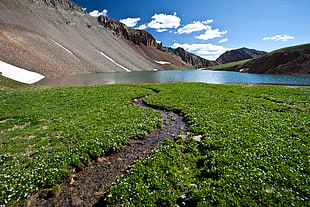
x: 57, y: 38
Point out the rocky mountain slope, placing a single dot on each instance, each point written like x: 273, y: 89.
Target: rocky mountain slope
x: 238, y: 54
x: 189, y: 58
x: 57, y: 38
x: 141, y: 37
x: 290, y: 61
x: 286, y: 61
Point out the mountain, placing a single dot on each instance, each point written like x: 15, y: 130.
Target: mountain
x: 293, y: 60
x: 141, y: 37
x: 60, y: 4
x: 57, y: 38
x: 189, y: 58
x: 289, y: 61
x: 238, y: 54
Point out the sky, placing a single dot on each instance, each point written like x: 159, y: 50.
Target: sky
x: 208, y: 28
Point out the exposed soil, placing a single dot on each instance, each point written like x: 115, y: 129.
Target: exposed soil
x: 85, y: 188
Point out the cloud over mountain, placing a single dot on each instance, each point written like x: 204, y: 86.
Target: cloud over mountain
x: 208, y: 51
x: 283, y: 37
x: 130, y: 22
x: 96, y: 13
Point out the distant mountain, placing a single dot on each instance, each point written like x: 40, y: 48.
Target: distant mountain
x: 57, y: 38
x: 189, y: 58
x: 286, y: 61
x: 238, y: 54
x: 290, y: 61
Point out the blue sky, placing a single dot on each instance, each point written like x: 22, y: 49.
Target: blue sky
x: 210, y: 27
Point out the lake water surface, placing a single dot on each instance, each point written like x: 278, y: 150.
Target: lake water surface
x: 169, y: 76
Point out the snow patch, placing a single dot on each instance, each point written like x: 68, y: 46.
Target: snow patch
x: 62, y: 47
x: 19, y: 74
x: 115, y: 62
x: 162, y: 62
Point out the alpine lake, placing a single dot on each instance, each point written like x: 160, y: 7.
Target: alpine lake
x: 170, y: 76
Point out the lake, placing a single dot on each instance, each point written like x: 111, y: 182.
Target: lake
x: 169, y: 76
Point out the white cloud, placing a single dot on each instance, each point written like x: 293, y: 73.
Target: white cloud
x: 142, y: 27
x: 130, y: 22
x: 195, y: 26
x: 96, y: 13
x: 162, y: 22
x: 208, y: 21
x: 162, y: 30
x: 283, y: 37
x: 211, y: 51
x: 211, y: 34
x: 223, y: 40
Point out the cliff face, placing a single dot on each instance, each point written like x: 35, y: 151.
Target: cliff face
x: 189, y: 58
x: 237, y: 55
x: 288, y: 61
x: 136, y: 36
x: 141, y: 37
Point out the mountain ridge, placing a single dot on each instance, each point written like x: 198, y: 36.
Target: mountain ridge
x: 139, y: 37
x: 294, y: 60
x: 238, y: 55
x: 55, y: 38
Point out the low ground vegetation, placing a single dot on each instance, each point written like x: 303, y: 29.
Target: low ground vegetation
x: 253, y: 146
x: 45, y: 132
x: 232, y: 66
x: 254, y: 149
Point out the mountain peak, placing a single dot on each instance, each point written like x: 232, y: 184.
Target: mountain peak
x: 239, y: 54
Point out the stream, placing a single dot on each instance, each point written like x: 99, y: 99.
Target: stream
x: 86, y: 187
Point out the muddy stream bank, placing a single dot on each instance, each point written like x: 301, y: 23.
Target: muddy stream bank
x: 86, y: 187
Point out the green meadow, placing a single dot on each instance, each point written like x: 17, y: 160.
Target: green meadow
x: 232, y: 66
x: 253, y: 148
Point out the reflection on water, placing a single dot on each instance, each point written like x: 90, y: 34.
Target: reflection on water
x: 168, y: 76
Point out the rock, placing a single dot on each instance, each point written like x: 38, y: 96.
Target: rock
x: 189, y: 58
x: 238, y: 54
x: 137, y: 37
x: 185, y: 200
x: 76, y: 201
x: 72, y: 180
x: 197, y: 138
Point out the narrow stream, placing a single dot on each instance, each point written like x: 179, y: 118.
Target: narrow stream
x: 85, y: 188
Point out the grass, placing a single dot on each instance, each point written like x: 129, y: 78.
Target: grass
x: 254, y: 149
x: 235, y: 66
x: 292, y: 49
x: 8, y: 84
x: 46, y: 131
